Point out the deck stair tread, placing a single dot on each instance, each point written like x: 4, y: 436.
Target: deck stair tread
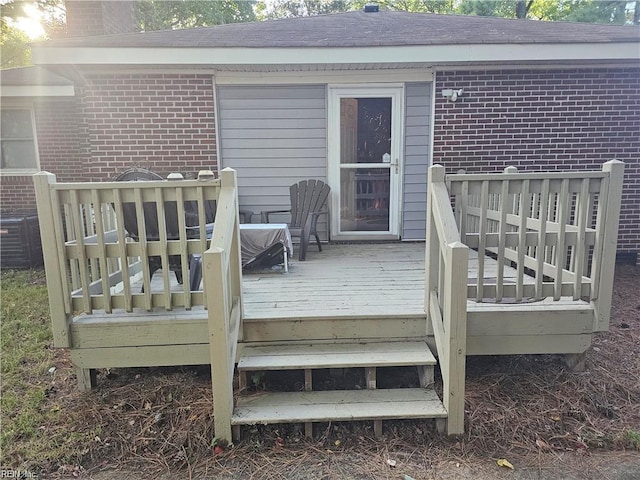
x: 336, y: 355
x: 337, y: 405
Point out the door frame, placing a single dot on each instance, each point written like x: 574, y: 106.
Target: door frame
x: 396, y: 92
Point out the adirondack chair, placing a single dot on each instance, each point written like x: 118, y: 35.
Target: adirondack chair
x: 152, y: 228
x: 308, y: 200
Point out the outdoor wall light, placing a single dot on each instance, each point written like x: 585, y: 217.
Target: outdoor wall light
x: 452, y: 94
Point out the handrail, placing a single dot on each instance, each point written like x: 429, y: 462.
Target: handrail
x: 446, y: 267
x: 223, y: 289
x: 92, y: 264
x: 549, y: 226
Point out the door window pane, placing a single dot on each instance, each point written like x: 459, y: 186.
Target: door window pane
x: 364, y: 202
x: 365, y: 130
x: 17, y: 140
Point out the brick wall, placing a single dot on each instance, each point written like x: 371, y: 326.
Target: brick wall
x: 573, y: 119
x: 59, y: 150
x: 163, y: 122
x: 90, y: 17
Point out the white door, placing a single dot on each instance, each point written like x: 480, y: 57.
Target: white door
x: 365, y: 163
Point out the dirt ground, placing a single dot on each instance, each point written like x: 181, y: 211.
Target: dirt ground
x: 547, y: 421
x: 602, y: 466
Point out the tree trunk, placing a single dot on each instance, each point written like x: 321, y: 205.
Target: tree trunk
x: 521, y: 9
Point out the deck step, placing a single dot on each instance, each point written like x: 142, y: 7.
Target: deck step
x: 337, y: 405
x: 336, y: 355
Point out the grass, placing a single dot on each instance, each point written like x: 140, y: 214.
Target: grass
x: 33, y: 434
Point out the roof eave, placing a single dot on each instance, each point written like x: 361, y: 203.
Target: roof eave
x: 37, y: 91
x: 432, y: 54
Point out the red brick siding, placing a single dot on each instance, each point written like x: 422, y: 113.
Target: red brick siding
x: 88, y: 17
x: 57, y: 127
x: 83, y: 18
x: 164, y: 122
x: 573, y: 119
x: 17, y: 194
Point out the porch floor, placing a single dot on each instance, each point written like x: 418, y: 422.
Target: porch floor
x: 343, y: 280
x: 355, y: 280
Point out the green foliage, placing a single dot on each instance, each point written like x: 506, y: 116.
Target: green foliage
x: 633, y: 437
x: 488, y: 8
x: 15, y: 50
x: 164, y: 15
x: 302, y: 8
x: 588, y: 11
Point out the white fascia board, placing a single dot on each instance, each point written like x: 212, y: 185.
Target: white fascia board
x: 319, y: 77
x: 434, y: 54
x: 37, y: 91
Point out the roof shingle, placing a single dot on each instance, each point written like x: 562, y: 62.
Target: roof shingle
x: 359, y: 29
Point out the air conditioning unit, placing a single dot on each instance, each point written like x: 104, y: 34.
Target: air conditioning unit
x: 20, y: 244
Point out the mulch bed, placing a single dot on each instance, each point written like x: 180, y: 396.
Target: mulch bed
x: 160, y: 419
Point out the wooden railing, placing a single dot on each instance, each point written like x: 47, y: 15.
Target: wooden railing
x: 94, y: 264
x: 446, y: 266
x: 223, y: 285
x: 556, y: 230
x: 101, y: 239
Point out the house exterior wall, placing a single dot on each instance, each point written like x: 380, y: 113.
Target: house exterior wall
x: 163, y: 122
x: 572, y: 119
x: 59, y: 150
x: 273, y: 136
x: 416, y: 160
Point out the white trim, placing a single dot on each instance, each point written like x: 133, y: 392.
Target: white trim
x: 24, y: 172
x: 331, y: 55
x: 535, y: 66
x: 15, y: 172
x: 37, y: 91
x: 432, y: 128
x: 396, y: 92
x: 330, y: 77
x: 216, y: 124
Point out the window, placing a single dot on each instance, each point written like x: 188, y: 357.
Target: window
x: 17, y: 140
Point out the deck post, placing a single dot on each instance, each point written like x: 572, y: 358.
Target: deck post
x: 221, y: 365
x: 47, y: 203
x: 455, y: 320
x: 228, y: 178
x: 431, y: 260
x: 602, y: 304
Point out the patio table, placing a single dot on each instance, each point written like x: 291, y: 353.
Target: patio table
x: 255, y: 238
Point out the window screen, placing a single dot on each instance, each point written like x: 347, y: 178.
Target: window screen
x: 17, y: 140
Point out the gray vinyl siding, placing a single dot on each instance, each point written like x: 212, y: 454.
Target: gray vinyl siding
x: 416, y: 160
x: 273, y: 136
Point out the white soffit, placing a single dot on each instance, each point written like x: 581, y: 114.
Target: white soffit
x: 432, y: 54
x: 37, y: 91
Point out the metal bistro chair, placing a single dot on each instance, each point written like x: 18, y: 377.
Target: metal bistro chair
x: 308, y: 201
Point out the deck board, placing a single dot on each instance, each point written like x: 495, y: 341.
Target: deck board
x: 337, y: 405
x: 384, y: 279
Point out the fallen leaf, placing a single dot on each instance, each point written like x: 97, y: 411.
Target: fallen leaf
x: 555, y: 418
x: 217, y: 450
x: 504, y: 463
x: 391, y: 463
x: 337, y: 443
x: 147, y: 405
x: 279, y: 442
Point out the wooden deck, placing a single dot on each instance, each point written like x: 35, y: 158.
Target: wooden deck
x: 342, y: 280
x: 346, y: 280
